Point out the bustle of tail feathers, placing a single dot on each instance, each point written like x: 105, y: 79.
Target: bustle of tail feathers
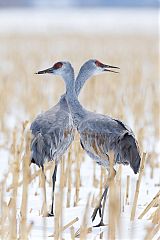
x: 130, y: 151
x: 38, y: 150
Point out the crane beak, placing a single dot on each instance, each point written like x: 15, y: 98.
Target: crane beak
x: 107, y: 68
x: 48, y: 70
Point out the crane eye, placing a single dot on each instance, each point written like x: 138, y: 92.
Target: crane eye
x: 58, y: 65
x: 98, y: 64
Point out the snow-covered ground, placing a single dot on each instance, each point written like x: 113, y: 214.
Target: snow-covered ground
x: 128, y: 230
x: 44, y: 227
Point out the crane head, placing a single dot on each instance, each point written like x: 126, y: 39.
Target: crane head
x: 57, y: 69
x: 93, y: 67
x: 103, y: 67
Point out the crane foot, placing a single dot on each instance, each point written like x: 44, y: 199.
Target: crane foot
x: 50, y: 215
x: 101, y: 224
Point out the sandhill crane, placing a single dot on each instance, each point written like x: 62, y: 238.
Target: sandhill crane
x: 99, y: 134
x: 53, y: 130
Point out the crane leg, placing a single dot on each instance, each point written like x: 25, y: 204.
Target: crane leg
x: 43, y: 172
x: 101, y: 207
x: 44, y: 193
x: 51, y: 214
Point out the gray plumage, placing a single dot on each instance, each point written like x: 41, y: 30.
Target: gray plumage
x: 99, y: 134
x: 52, y: 132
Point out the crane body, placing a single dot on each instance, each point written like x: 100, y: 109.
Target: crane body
x: 53, y: 133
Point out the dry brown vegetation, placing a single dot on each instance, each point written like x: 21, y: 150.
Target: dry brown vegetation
x: 132, y: 95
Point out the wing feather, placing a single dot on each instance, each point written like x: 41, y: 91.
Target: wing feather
x: 103, y: 135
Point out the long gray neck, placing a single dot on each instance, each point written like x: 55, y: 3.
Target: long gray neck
x: 77, y: 111
x: 83, y: 75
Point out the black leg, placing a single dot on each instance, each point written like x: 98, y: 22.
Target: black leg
x: 53, y: 188
x: 43, y: 172
x: 100, y: 208
x: 101, y: 223
x: 45, y: 213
